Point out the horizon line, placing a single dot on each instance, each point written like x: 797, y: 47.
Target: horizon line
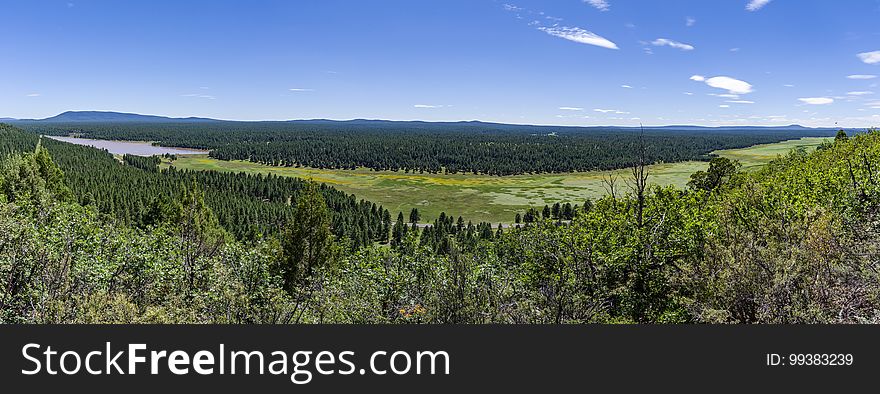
x: 433, y: 121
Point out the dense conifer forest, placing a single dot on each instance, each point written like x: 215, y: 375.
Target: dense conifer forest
x: 86, y: 238
x: 248, y: 206
x: 468, y: 147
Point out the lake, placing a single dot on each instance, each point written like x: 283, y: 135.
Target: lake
x: 137, y: 148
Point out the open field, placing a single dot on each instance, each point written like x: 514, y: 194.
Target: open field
x: 481, y: 197
x: 759, y: 155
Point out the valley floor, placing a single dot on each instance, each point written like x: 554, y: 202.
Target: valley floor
x: 487, y: 198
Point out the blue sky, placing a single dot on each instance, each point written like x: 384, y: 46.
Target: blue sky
x: 566, y: 62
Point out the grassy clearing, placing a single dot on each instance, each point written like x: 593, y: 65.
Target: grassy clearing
x: 480, y: 197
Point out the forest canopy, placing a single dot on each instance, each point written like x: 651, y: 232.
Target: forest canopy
x: 464, y: 147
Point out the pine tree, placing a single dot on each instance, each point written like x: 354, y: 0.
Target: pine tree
x: 307, y: 241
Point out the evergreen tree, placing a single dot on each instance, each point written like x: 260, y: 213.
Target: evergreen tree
x: 399, y: 231
x: 307, y: 241
x: 414, y: 216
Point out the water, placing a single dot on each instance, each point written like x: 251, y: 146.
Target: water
x: 129, y: 147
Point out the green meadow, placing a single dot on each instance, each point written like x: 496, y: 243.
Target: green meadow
x: 487, y: 198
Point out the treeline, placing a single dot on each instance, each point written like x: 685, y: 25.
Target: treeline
x: 795, y: 242
x: 428, y: 147
x: 248, y: 206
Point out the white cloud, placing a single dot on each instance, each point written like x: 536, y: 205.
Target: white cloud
x: 861, y: 76
x: 579, y: 35
x: 626, y: 86
x: 739, y: 102
x: 859, y: 93
x: 33, y: 95
x: 788, y: 85
x: 301, y: 90
x: 196, y: 95
x: 600, y: 5
x: 688, y: 93
x: 732, y: 85
x: 734, y: 49
x: 689, y: 21
x: 613, y: 111
x: 870, y: 57
x: 755, y: 5
x: 571, y: 109
x: 675, y: 44
x: 511, y: 7
x: 723, y: 106
x: 427, y: 106
x: 725, y: 95
x: 817, y: 100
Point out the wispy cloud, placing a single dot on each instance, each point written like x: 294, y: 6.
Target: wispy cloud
x: 579, y: 35
x: 859, y: 93
x: 671, y: 43
x: 571, y: 109
x: 861, y: 76
x: 689, y: 21
x: 732, y: 85
x: 626, y: 86
x: 739, y: 102
x: 301, y: 90
x: 196, y: 95
x: 688, y: 93
x: 723, y: 106
x: 755, y: 5
x: 511, y: 7
x: 33, y: 95
x: 428, y: 106
x: 601, y: 5
x: 817, y: 100
x: 612, y: 111
x: 788, y: 85
x: 870, y: 57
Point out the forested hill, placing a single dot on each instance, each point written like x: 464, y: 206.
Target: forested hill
x: 485, y: 148
x: 112, y: 117
x: 248, y: 206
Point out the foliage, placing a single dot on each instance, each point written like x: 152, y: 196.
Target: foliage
x: 469, y: 147
x: 797, y: 241
x: 721, y: 171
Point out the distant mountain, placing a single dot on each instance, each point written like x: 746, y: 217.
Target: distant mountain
x: 122, y: 117
x: 106, y: 116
